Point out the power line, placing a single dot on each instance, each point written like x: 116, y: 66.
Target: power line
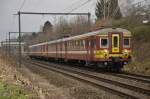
x: 71, y: 5
x: 22, y: 5
x: 80, y: 6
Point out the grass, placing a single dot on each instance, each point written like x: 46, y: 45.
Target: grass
x: 139, y: 67
x: 9, y: 91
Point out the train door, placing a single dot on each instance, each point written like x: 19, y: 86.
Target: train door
x: 44, y: 50
x: 65, y: 50
x: 87, y: 49
x: 56, y: 50
x: 90, y: 45
x: 43, y: 53
x: 41, y: 50
x: 46, y: 45
x: 61, y: 50
x: 115, y: 44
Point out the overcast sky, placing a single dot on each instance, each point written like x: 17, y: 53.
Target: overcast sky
x: 9, y: 22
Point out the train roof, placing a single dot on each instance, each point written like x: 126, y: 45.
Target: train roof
x: 104, y: 32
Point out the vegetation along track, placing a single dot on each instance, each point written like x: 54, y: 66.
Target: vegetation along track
x: 130, y: 88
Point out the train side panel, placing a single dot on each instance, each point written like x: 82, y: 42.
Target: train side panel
x: 76, y: 50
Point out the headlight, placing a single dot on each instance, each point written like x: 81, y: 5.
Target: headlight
x: 106, y: 51
x: 126, y: 53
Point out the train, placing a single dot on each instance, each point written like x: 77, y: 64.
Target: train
x: 108, y: 48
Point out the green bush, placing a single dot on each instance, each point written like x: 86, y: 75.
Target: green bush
x: 141, y: 33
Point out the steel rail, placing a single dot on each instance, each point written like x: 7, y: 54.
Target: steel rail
x: 136, y: 77
x: 97, y: 81
x: 116, y: 82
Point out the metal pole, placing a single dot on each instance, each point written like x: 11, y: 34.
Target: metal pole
x: 9, y: 43
x: 104, y: 9
x: 19, y: 38
x: 89, y: 23
x: 6, y: 50
x: 108, y: 8
x: 89, y: 17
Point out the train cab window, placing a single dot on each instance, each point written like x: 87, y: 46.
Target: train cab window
x: 104, y: 43
x: 126, y: 42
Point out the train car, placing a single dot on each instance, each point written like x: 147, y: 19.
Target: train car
x: 107, y: 48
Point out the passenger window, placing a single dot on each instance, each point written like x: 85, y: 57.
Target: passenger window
x: 93, y: 43
x: 78, y: 43
x: 74, y: 44
x: 104, y: 43
x: 126, y: 42
x: 83, y: 43
x: 70, y: 43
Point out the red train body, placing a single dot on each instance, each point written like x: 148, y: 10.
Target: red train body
x: 108, y: 47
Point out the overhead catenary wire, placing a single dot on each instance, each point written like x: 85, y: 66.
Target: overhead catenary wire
x: 22, y: 5
x: 70, y: 6
x: 73, y: 6
x: 80, y: 6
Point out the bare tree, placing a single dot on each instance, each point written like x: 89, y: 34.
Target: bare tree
x: 80, y: 25
x: 62, y: 28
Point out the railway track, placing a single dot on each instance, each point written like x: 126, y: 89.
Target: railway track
x: 109, y: 82
x: 137, y: 77
x: 123, y: 74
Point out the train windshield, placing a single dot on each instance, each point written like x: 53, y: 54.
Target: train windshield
x: 104, y: 42
x: 126, y: 42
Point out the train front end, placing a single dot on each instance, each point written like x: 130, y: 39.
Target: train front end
x: 114, y: 49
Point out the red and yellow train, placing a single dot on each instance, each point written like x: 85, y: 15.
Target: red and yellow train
x: 109, y: 48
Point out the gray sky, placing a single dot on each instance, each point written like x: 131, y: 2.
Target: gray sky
x: 9, y: 22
